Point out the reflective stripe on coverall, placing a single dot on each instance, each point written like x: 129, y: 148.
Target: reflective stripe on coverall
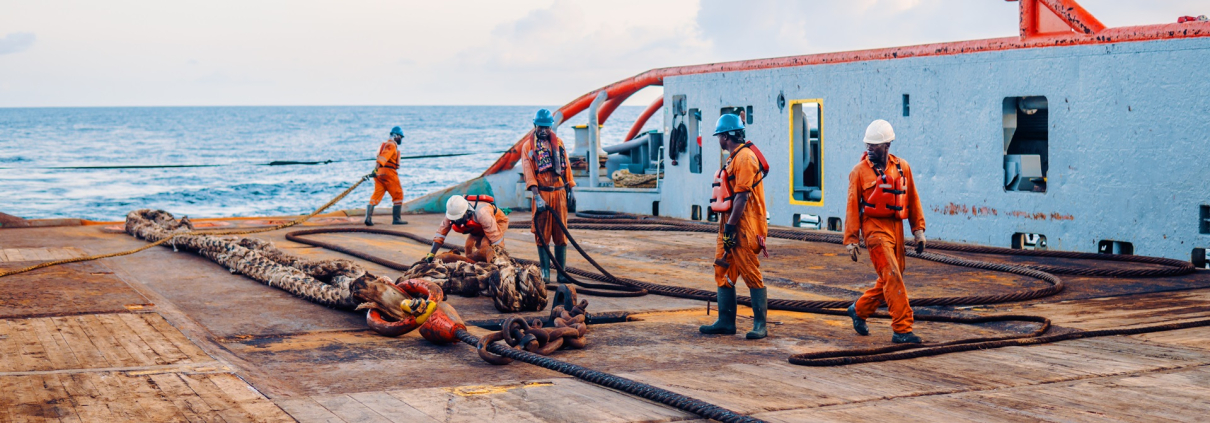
x: 494, y: 223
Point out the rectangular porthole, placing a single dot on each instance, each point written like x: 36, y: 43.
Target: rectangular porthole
x: 906, y: 106
x: 1026, y: 143
x: 1028, y: 241
x: 694, y: 139
x: 835, y: 225
x: 809, y: 221
x: 1109, y: 246
x: 711, y: 215
x: 1203, y: 220
x: 806, y: 152
x: 655, y: 208
x: 1198, y: 258
x: 695, y: 212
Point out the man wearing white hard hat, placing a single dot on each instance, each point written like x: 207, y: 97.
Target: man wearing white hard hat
x: 477, y: 217
x: 882, y: 194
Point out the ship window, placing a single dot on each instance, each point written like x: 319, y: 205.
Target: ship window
x: 1203, y: 226
x: 803, y: 220
x: 1028, y: 241
x: 655, y: 208
x: 1026, y: 138
x: 695, y: 140
x: 711, y: 215
x: 835, y: 225
x: 1199, y: 258
x: 695, y: 212
x: 1108, y: 246
x: 806, y: 152
x: 906, y: 104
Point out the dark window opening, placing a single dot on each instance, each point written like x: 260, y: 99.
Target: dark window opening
x: 809, y: 221
x: 694, y: 139
x: 906, y: 106
x: 1203, y: 226
x: 695, y: 212
x: 835, y: 225
x: 655, y: 208
x: 1198, y: 258
x: 711, y: 215
x: 806, y: 146
x: 1026, y: 143
x: 1028, y: 241
x: 1108, y: 246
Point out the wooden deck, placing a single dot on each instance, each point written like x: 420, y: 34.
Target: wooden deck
x: 164, y: 336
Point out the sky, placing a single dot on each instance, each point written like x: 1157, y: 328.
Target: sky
x: 66, y: 53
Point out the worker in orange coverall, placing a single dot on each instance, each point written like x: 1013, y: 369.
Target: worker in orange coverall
x: 386, y: 179
x: 548, y: 176
x: 483, y: 224
x: 743, y: 233
x: 882, y: 193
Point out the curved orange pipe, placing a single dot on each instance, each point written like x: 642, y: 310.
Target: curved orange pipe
x: 612, y: 105
x: 656, y: 76
x: 642, y: 120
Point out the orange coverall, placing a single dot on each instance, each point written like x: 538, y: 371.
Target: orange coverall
x: 388, y: 176
x: 746, y: 170
x: 494, y: 223
x: 550, y: 187
x: 884, y: 240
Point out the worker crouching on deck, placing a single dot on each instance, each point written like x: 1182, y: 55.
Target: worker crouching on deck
x: 882, y: 193
x: 546, y: 167
x: 386, y: 179
x: 742, y: 228
x: 484, y: 226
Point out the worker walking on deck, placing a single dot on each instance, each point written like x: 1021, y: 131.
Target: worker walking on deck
x: 740, y: 198
x: 882, y: 193
x: 547, y: 175
x: 483, y: 224
x: 386, y: 179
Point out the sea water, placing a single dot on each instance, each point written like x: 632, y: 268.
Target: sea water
x: 101, y: 163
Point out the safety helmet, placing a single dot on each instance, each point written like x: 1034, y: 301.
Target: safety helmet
x: 397, y: 131
x: 879, y: 132
x: 728, y: 122
x: 456, y: 207
x: 544, y: 118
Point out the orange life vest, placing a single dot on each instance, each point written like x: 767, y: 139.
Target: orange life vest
x: 472, y: 226
x: 889, y: 198
x: 721, y: 191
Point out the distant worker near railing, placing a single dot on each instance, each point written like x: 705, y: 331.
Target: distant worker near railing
x: 386, y: 178
x: 547, y: 175
x: 882, y: 193
x: 483, y: 224
x: 740, y: 200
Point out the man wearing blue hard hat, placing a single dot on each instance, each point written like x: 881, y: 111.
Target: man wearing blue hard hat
x: 386, y: 179
x: 548, y: 176
x: 739, y: 198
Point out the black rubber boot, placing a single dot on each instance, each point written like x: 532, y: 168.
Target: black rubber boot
x: 906, y: 338
x: 858, y: 323
x: 725, y: 325
x: 544, y: 263
x: 561, y: 257
x: 369, y: 215
x: 760, y: 310
x: 396, y: 210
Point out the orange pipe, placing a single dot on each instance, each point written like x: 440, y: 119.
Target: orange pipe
x: 656, y: 76
x: 1075, y: 15
x: 612, y: 105
x: 638, y: 124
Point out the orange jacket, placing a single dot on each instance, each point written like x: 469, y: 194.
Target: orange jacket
x: 746, y: 170
x: 388, y: 155
x: 549, y: 178
x: 488, y: 216
x: 861, y: 183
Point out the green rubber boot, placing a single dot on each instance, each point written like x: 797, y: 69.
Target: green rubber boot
x: 544, y: 263
x: 396, y: 210
x: 726, y: 314
x: 370, y: 215
x: 760, y: 309
x: 561, y: 257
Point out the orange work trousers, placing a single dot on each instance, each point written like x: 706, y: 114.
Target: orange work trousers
x: 387, y: 181
x: 744, y: 262
x: 888, y: 257
x: 556, y: 201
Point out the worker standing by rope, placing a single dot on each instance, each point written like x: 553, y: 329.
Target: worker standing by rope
x: 743, y: 229
x: 386, y: 179
x: 484, y: 226
x: 546, y: 167
x: 882, y: 193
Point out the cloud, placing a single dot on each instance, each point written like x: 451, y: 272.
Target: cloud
x: 17, y: 42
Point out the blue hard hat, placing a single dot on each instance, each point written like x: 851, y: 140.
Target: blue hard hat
x: 544, y: 118
x: 728, y: 122
x: 397, y: 131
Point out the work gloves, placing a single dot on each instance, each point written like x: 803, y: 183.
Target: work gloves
x: 919, y: 234
x: 429, y: 258
x: 853, y: 251
x: 539, y: 204
x: 571, y: 201
x: 730, y: 236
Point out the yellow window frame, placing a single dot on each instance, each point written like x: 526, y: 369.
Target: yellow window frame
x: 822, y: 191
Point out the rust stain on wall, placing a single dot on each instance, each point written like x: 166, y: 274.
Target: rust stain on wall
x: 957, y: 209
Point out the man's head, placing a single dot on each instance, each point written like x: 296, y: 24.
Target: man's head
x: 730, y: 131
x: 878, y: 138
x: 543, y: 122
x: 397, y: 135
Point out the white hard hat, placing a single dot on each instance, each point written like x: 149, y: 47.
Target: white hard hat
x: 879, y: 132
x: 456, y: 207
